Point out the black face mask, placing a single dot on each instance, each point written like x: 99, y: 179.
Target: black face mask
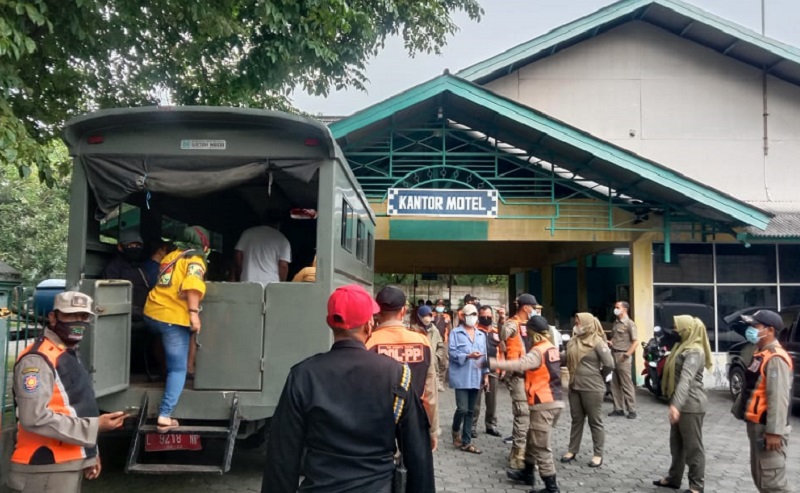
x: 70, y: 331
x: 133, y: 254
x: 485, y: 321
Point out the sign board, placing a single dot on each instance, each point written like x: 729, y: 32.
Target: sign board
x: 442, y: 202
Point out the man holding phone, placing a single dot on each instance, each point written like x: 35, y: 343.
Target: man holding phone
x: 467, y: 351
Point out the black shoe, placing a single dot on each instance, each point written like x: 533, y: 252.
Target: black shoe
x: 508, y: 440
x: 658, y: 482
x: 596, y: 464
x: 550, y: 485
x: 493, y: 432
x: 617, y: 412
x: 632, y: 415
x: 567, y: 460
x: 521, y: 475
x: 474, y: 434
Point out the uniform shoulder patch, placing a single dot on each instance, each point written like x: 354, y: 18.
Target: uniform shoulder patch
x: 404, y: 353
x: 30, y: 380
x: 196, y: 269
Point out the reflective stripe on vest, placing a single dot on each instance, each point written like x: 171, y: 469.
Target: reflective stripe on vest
x: 515, y: 348
x: 33, y: 449
x: 756, y: 411
x: 543, y: 384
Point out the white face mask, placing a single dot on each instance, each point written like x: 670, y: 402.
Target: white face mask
x: 471, y: 320
x: 537, y: 312
x: 439, y: 309
x: 578, y: 331
x: 427, y: 320
x: 617, y: 312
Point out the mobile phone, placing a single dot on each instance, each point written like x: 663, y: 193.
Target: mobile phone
x: 131, y: 410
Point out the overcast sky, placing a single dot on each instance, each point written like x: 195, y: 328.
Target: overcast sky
x: 507, y: 23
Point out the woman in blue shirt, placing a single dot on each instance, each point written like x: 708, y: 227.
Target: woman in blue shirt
x: 467, y: 350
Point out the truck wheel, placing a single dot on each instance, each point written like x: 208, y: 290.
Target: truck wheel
x: 736, y: 381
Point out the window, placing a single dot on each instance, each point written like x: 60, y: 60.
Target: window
x: 790, y: 263
x: 347, y: 226
x: 750, y: 265
x: 690, y: 262
x: 370, y: 250
x: 740, y: 300
x: 360, y: 240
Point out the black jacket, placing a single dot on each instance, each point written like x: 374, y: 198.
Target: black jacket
x: 334, y: 425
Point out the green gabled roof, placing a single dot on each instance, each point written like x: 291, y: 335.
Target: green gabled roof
x: 608, y: 161
x: 680, y: 18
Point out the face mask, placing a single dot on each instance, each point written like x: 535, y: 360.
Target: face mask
x: 537, y: 312
x: 524, y: 314
x: 751, y: 334
x: 439, y: 309
x: 133, y: 254
x: 70, y: 331
x: 427, y: 320
x: 617, y: 311
x: 485, y: 321
x: 578, y: 331
x: 471, y: 320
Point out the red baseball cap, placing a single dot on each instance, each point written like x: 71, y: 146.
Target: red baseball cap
x: 350, y: 306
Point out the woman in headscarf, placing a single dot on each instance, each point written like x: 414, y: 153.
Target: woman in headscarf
x: 589, y: 362
x: 682, y: 383
x: 173, y: 311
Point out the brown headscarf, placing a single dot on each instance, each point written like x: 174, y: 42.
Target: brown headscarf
x: 581, y: 345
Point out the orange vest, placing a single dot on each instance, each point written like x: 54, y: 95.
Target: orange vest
x: 543, y: 384
x: 756, y: 411
x: 515, y: 348
x: 72, y: 396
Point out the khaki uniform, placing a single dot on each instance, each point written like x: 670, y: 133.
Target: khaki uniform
x: 488, y: 397
x: 686, y: 436
x: 624, y: 334
x: 586, y: 398
x: 519, y: 402
x: 768, y: 467
x: 443, y: 326
x: 542, y: 418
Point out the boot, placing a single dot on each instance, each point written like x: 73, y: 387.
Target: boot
x: 524, y: 475
x: 550, y: 485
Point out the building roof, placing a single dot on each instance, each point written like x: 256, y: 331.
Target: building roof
x: 564, y: 145
x: 680, y: 18
x: 783, y: 226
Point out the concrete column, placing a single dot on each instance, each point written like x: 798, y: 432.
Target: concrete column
x: 583, y: 293
x: 642, y: 292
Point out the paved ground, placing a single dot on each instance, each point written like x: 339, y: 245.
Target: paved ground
x: 636, y: 453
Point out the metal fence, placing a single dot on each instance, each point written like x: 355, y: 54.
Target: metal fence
x: 19, y: 325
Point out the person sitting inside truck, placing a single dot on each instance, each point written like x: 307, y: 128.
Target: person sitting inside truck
x: 128, y: 265
x: 173, y: 310
x: 263, y: 253
x: 307, y: 274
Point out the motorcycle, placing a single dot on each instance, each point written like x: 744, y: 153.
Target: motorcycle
x: 656, y: 351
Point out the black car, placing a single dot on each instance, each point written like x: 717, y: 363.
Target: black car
x: 665, y: 311
x: 740, y: 355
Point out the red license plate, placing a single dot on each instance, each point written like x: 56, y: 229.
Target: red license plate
x: 158, y: 442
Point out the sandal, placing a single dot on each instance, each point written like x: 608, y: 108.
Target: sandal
x: 457, y: 439
x: 567, y: 458
x: 471, y: 448
x: 164, y: 428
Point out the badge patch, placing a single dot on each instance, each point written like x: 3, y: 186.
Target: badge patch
x: 30, y: 382
x: 195, y: 270
x: 404, y: 353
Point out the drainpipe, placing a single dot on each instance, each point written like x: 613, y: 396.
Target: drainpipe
x: 765, y: 107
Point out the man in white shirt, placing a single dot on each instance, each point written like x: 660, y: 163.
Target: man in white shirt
x: 262, y: 255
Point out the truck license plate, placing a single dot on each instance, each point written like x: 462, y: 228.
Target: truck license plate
x: 158, y: 442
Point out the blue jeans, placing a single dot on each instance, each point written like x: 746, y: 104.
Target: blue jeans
x: 465, y: 408
x: 175, y: 339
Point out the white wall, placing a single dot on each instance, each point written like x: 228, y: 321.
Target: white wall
x: 673, y: 101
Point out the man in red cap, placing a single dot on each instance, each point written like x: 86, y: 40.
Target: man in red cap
x: 341, y: 413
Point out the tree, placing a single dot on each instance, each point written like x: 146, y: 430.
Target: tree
x: 34, y: 219
x: 61, y: 58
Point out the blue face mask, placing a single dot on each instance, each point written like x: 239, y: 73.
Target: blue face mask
x: 751, y: 334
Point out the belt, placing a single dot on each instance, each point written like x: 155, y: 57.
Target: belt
x: 619, y: 350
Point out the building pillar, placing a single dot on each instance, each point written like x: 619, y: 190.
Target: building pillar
x: 642, y: 296
x: 583, y: 293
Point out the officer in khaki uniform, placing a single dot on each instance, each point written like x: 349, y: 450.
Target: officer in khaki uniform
x: 542, y: 367
x: 488, y: 394
x: 682, y: 383
x: 624, y: 336
x: 513, y: 347
x: 58, y: 417
x: 766, y: 402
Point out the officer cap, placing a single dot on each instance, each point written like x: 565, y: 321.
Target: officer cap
x: 391, y: 299
x: 72, y: 302
x: 350, y: 306
x: 765, y: 317
x: 526, y: 299
x: 424, y: 311
x: 130, y: 235
x: 469, y: 309
x: 538, y: 324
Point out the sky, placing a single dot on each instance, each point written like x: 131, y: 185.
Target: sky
x: 507, y: 23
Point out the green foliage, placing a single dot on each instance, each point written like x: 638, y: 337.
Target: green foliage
x: 61, y: 58
x: 34, y: 219
x: 458, y: 280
